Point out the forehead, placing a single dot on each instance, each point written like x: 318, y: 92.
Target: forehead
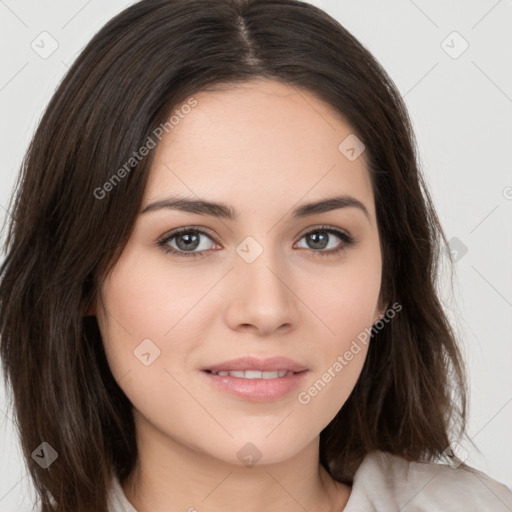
x: 261, y: 140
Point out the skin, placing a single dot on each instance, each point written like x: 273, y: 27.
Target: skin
x: 264, y: 148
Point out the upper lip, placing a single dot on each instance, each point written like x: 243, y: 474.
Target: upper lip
x: 253, y: 363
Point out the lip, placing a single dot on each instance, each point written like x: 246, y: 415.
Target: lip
x: 270, y: 364
x: 256, y: 390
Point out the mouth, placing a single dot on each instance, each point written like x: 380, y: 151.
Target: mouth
x: 254, y: 385
x: 250, y: 363
x: 254, y: 374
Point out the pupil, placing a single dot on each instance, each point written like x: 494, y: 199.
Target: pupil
x: 318, y: 239
x: 191, y: 241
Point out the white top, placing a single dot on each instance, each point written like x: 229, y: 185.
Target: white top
x: 387, y: 483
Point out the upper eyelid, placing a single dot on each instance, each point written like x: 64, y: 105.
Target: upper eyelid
x: 174, y: 232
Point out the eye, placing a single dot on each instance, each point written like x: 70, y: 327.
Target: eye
x: 186, y: 242
x: 320, y: 239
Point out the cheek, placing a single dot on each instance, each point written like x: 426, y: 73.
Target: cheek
x: 346, y: 304
x: 346, y: 298
x: 151, y: 307
x: 343, y: 352
x: 355, y: 300
x: 132, y: 297
x: 148, y: 297
x: 145, y: 342
x: 328, y: 389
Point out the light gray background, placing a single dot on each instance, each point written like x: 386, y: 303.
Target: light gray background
x: 461, y: 107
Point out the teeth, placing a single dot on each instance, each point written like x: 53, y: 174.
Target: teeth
x: 254, y: 374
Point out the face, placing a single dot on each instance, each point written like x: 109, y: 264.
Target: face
x: 268, y: 282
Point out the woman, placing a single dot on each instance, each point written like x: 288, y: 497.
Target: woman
x: 219, y: 288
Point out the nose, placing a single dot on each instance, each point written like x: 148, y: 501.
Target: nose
x: 262, y: 298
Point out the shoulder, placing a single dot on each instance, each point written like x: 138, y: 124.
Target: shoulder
x: 387, y: 483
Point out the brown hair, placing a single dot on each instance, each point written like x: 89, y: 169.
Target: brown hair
x: 64, y: 238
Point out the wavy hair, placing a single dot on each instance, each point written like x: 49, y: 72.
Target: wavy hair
x: 63, y: 238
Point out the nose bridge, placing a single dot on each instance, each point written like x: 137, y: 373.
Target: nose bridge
x: 262, y: 295
x: 258, y: 265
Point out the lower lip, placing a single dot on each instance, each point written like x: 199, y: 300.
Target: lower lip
x: 257, y: 390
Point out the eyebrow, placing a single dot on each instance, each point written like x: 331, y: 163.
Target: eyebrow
x: 225, y: 211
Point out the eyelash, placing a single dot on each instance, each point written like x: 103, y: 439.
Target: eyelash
x: 347, y: 241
